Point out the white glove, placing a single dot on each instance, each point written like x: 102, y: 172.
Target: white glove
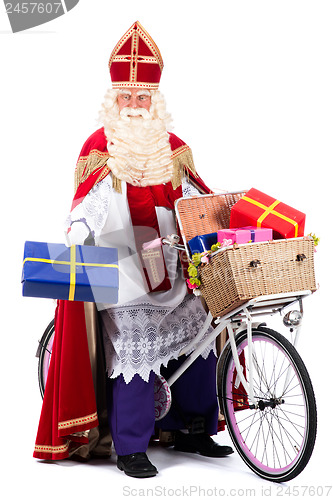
x: 77, y: 234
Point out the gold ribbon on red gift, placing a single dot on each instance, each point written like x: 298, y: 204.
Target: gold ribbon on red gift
x: 270, y: 210
x: 72, y: 269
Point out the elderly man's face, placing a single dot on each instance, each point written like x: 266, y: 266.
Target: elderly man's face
x: 134, y: 98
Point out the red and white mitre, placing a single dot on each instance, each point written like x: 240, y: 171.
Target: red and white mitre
x: 136, y: 60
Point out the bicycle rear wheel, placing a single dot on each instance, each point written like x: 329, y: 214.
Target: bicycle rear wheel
x: 44, y: 353
x: 277, y: 436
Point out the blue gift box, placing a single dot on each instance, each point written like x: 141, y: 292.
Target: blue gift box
x: 202, y: 243
x: 81, y: 272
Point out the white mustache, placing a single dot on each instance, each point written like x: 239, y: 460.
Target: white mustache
x: 128, y: 112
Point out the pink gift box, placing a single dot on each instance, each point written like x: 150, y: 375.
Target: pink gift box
x: 248, y: 234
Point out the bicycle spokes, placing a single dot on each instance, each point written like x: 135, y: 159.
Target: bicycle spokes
x: 272, y: 434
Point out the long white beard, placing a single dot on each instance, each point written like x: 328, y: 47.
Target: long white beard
x: 139, y: 148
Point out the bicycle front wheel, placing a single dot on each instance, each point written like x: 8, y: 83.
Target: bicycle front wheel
x: 275, y: 436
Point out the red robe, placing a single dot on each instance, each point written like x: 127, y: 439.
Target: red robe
x: 69, y: 407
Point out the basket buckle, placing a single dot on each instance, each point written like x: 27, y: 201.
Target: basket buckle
x: 255, y: 263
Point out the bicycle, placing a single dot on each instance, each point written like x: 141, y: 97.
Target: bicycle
x: 264, y: 389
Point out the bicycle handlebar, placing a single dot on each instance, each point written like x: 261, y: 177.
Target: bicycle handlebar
x: 171, y: 241
x: 175, y: 245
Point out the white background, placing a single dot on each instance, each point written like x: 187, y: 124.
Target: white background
x: 249, y: 84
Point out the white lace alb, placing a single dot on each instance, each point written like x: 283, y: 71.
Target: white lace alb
x: 144, y: 331
x: 139, y: 339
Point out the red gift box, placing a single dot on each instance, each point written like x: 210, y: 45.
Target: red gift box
x: 259, y: 209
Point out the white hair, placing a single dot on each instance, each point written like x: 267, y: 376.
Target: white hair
x: 139, y: 148
x: 109, y: 114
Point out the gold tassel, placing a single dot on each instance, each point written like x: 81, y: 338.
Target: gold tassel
x: 116, y: 184
x: 182, y: 163
x: 78, y: 173
x: 88, y: 164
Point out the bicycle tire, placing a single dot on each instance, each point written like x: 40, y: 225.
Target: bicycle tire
x: 44, y: 353
x: 275, y: 438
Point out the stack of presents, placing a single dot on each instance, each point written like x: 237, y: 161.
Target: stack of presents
x: 263, y: 252
x: 255, y: 217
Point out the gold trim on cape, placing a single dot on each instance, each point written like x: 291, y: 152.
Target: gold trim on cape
x: 52, y: 449
x: 86, y: 165
x: 182, y: 163
x: 78, y: 421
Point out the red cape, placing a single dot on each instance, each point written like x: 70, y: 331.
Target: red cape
x: 69, y: 405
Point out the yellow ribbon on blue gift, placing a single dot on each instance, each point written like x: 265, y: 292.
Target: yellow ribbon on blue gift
x: 72, y: 269
x: 270, y: 210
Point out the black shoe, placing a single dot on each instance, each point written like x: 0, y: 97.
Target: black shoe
x: 200, y: 443
x: 136, y: 465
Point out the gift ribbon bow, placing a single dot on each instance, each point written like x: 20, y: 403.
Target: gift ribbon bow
x: 226, y: 242
x: 270, y: 210
x: 72, y: 269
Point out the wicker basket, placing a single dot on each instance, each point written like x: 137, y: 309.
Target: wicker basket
x: 233, y: 276
x: 238, y: 274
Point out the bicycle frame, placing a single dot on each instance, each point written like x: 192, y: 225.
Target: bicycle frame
x: 259, y: 306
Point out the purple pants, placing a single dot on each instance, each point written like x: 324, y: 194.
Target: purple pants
x: 131, y: 406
